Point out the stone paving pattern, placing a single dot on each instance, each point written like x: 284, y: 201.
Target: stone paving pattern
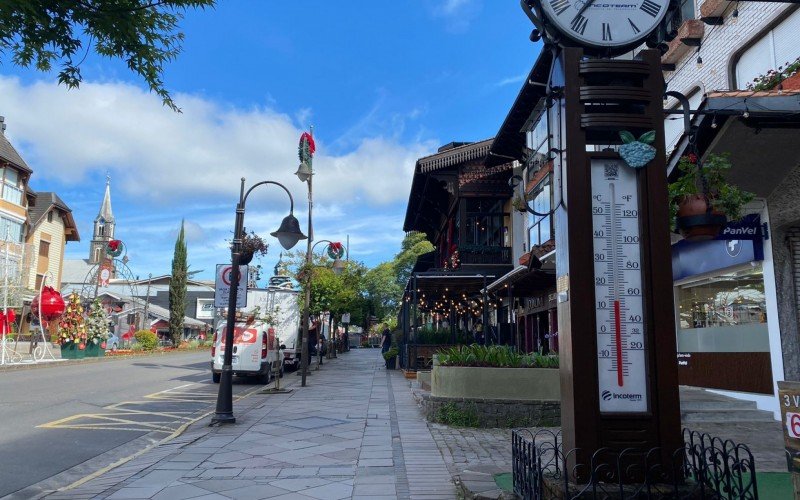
x: 354, y: 432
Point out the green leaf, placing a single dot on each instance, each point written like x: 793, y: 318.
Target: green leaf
x: 648, y: 137
x: 627, y: 137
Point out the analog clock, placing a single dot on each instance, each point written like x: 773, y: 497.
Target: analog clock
x: 605, y: 23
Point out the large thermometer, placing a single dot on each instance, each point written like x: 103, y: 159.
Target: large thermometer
x: 619, y: 321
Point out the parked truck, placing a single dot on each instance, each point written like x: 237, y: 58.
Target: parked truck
x: 280, y: 302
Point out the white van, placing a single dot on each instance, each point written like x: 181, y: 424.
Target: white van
x: 256, y: 352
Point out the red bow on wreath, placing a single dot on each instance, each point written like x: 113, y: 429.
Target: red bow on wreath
x: 5, y: 321
x: 308, y: 137
x: 113, y: 245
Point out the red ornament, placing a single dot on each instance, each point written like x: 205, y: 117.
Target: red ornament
x: 113, y: 245
x: 692, y: 158
x: 52, y: 304
x: 81, y: 346
x: 102, y: 345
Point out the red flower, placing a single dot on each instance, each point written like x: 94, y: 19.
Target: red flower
x: 692, y: 158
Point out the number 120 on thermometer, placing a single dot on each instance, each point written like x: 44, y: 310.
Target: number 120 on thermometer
x: 619, y: 318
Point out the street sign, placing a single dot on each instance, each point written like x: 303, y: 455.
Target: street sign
x: 346, y: 318
x: 222, y: 286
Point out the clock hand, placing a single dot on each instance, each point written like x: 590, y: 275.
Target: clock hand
x: 583, y: 9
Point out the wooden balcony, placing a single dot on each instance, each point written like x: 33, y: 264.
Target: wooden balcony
x: 484, y: 255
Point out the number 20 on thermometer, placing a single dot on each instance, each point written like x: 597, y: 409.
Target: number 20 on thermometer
x: 619, y: 318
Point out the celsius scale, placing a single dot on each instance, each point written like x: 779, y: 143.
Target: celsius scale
x: 619, y: 318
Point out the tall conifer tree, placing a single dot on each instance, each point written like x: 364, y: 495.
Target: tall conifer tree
x: 177, y: 289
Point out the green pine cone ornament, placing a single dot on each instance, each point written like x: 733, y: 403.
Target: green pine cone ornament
x: 639, y: 153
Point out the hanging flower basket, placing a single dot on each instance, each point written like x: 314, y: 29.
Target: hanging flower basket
x: 246, y: 257
x: 701, y: 201
x: 697, y: 220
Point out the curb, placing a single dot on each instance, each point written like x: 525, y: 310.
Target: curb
x: 72, y: 362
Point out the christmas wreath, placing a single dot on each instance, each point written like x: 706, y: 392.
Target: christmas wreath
x: 336, y: 250
x: 306, y: 148
x: 114, y: 248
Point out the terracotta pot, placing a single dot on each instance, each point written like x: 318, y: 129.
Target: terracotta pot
x: 695, y: 222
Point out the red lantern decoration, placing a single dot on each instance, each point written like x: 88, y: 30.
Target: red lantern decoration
x: 52, y: 304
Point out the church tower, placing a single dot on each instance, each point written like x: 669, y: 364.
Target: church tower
x: 103, y: 228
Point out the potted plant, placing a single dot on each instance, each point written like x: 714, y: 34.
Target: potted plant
x: 701, y: 201
x: 391, y: 358
x: 252, y: 245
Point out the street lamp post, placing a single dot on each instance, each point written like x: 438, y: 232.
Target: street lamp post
x: 305, y: 174
x: 288, y: 234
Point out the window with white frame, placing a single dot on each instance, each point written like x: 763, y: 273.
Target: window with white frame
x: 779, y: 46
x: 11, y: 186
x: 540, y: 229
x: 11, y: 230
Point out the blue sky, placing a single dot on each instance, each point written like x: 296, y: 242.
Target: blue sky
x: 383, y: 83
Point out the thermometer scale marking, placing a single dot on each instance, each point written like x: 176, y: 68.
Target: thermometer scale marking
x: 618, y: 287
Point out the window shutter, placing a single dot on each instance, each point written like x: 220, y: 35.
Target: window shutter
x: 786, y: 37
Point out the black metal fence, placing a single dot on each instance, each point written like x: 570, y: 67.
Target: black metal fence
x: 705, y: 468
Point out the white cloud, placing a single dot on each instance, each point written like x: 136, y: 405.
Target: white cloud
x: 511, y: 80
x: 458, y: 14
x: 167, y: 158
x: 189, y: 165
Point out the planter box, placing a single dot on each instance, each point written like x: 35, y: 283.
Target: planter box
x: 518, y: 384
x: 94, y: 351
x: 69, y: 350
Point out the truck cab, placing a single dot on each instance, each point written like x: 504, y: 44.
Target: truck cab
x: 256, y: 352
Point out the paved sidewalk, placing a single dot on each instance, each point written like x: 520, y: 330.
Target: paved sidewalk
x: 354, y: 432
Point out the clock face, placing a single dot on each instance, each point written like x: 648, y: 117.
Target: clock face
x: 605, y: 23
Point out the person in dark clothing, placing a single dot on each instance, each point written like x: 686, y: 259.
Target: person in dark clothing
x: 386, y: 342
x: 313, y: 334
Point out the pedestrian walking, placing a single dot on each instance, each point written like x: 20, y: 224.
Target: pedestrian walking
x: 386, y: 342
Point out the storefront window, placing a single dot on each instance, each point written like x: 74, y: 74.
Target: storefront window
x: 540, y: 229
x: 724, y: 313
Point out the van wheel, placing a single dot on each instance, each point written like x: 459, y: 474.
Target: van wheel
x: 215, y: 377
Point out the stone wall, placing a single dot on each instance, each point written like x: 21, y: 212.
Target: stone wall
x: 494, y: 412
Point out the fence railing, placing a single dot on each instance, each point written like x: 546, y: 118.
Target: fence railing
x: 706, y: 467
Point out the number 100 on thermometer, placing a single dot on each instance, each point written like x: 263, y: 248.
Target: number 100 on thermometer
x: 619, y: 320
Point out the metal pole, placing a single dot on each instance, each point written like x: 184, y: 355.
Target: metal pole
x: 146, y: 301
x: 414, y: 322
x: 224, y: 411
x: 5, y: 297
x: 304, y: 342
x: 485, y: 317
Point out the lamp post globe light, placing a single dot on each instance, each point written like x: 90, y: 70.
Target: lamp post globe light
x: 288, y: 234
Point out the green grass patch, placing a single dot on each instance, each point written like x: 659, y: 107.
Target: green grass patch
x: 451, y: 414
x: 774, y: 485
x: 504, y: 481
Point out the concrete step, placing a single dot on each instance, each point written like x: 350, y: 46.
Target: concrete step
x: 726, y: 416
x: 698, y: 405
x: 726, y: 404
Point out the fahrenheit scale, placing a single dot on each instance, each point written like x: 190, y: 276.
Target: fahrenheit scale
x: 621, y: 360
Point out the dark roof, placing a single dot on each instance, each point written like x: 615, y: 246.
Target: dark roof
x: 42, y: 202
x: 509, y: 142
x: 433, y: 194
x: 10, y: 155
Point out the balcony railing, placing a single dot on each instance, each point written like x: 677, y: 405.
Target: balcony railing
x: 484, y: 255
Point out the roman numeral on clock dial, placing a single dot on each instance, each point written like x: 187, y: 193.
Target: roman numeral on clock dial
x: 650, y: 7
x: 606, y: 32
x: 560, y: 6
x: 578, y: 24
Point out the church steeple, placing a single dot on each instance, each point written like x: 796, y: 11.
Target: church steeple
x: 103, y: 227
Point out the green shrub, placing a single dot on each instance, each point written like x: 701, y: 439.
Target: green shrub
x: 428, y: 335
x: 451, y: 414
x: 147, y: 339
x: 391, y: 353
x: 194, y: 344
x: 498, y: 356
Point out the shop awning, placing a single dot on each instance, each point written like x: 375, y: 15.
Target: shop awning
x: 435, y: 284
x: 763, y: 146
x: 524, y: 282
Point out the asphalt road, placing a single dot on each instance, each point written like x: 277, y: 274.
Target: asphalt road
x: 55, y: 418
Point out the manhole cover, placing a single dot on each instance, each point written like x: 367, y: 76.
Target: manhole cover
x: 309, y: 423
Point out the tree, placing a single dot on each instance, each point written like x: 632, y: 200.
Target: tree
x: 414, y: 244
x: 382, y: 292
x: 177, y: 289
x: 96, y: 323
x: 144, y: 33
